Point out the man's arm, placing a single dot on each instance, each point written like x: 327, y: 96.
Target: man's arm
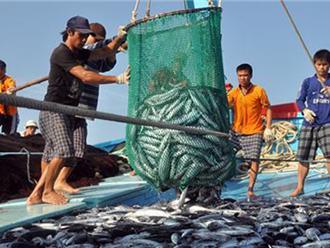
x: 230, y: 99
x: 111, y: 48
x: 301, y: 98
x: 269, y: 117
x: 91, y: 77
x: 105, y: 64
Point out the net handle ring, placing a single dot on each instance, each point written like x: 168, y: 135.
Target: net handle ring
x: 177, y: 12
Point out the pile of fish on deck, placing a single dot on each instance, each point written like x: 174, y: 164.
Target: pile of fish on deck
x: 227, y: 223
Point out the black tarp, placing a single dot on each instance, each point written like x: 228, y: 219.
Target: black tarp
x: 14, y: 181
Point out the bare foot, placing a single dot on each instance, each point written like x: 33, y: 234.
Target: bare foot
x: 65, y: 187
x: 54, y: 198
x: 251, y: 195
x: 133, y: 173
x: 297, y: 192
x: 34, y: 198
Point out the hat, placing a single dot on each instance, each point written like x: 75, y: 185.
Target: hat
x: 31, y: 123
x: 80, y: 24
x: 228, y: 85
x: 99, y: 30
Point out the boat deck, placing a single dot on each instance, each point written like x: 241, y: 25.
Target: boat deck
x: 278, y: 185
x: 125, y: 190
x: 122, y: 190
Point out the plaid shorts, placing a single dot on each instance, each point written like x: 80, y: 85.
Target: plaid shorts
x: 312, y: 138
x: 65, y: 137
x: 250, y: 144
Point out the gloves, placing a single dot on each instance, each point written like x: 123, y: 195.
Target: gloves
x: 309, y: 115
x: 122, y: 32
x: 268, y: 135
x: 326, y: 91
x: 125, y: 77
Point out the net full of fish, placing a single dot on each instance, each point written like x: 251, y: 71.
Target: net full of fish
x: 226, y: 223
x: 170, y: 158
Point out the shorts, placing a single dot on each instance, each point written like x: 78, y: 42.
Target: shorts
x: 78, y: 136
x: 312, y: 138
x: 250, y: 144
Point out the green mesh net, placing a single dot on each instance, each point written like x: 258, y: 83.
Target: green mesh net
x: 177, y: 77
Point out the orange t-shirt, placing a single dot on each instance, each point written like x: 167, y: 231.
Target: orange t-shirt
x: 5, y: 84
x: 247, y: 109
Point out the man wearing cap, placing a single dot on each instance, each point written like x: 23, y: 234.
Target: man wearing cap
x: 66, y: 78
x: 31, y: 127
x: 8, y: 114
x: 88, y: 100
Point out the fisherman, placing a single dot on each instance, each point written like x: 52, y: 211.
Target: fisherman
x: 247, y: 100
x: 168, y: 78
x: 88, y: 100
x: 31, y: 127
x: 66, y: 78
x: 8, y: 114
x: 313, y: 101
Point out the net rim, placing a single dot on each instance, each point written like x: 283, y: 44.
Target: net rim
x: 176, y: 12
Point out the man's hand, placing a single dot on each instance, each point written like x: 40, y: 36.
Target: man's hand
x: 125, y: 77
x: 326, y: 91
x: 122, y: 32
x: 10, y: 90
x: 268, y: 135
x: 309, y: 115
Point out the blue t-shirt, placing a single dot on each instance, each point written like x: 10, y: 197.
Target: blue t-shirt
x: 310, y: 92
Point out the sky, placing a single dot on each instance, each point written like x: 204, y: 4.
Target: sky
x: 254, y: 32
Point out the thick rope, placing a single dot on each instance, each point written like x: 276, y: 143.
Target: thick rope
x: 148, y: 8
x: 134, y: 12
x: 12, y: 100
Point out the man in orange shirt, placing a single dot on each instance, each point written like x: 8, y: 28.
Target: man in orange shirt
x: 8, y: 114
x: 248, y: 132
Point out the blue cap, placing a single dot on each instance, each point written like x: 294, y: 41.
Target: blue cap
x: 80, y: 24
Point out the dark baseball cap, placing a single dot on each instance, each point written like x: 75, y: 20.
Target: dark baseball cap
x: 99, y: 30
x: 80, y: 24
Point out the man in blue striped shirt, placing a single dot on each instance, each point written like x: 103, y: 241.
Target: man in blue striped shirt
x: 315, y: 131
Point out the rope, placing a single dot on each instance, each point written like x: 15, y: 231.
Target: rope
x: 148, y: 8
x: 70, y: 110
x: 301, y: 39
x: 284, y: 158
x: 18, y: 153
x: 134, y: 12
x: 211, y: 4
x: 28, y: 165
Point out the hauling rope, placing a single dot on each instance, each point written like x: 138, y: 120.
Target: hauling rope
x: 177, y: 77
